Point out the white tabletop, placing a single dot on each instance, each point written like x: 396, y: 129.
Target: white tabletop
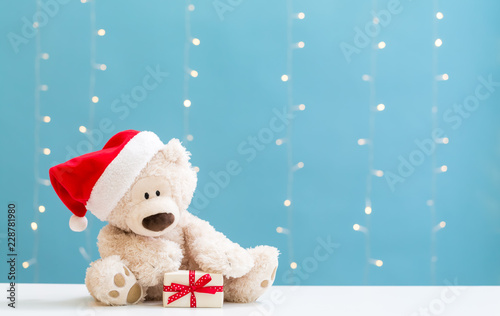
x: 73, y: 299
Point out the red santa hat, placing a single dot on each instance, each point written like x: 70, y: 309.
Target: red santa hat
x: 98, y: 180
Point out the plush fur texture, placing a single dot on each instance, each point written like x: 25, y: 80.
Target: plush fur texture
x: 134, y: 240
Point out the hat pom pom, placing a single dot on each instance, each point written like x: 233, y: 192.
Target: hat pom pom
x: 77, y: 223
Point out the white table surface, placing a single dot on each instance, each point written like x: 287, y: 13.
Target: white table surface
x: 73, y: 299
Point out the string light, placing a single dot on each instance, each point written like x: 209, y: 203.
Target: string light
x: 300, y: 165
x: 381, y: 45
x: 196, y: 169
x: 26, y: 264
x: 45, y: 56
x: 189, y: 40
x: 34, y: 226
x: 284, y: 78
x: 302, y: 107
x: 356, y: 227
x: 103, y: 67
x: 301, y: 44
x: 41, y: 209
x: 301, y: 15
x: 287, y: 203
x: 46, y: 151
x: 379, y: 263
x: 95, y: 99
x: 380, y: 107
x: 434, y: 163
x: 366, y: 77
x: 368, y: 210
x: 101, y: 32
x: 293, y: 265
x: 279, y: 142
x: 44, y: 87
x: 279, y: 230
x: 378, y: 173
x: 82, y: 129
x: 46, y: 119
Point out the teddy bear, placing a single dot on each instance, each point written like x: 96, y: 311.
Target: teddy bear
x: 142, y: 188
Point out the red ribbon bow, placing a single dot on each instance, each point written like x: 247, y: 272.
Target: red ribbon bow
x: 198, y: 286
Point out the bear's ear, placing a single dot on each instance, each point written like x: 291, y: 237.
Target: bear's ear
x: 175, y: 152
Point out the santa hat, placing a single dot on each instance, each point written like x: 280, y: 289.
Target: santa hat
x: 98, y: 180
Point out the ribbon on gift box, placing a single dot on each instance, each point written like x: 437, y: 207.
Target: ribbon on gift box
x: 198, y: 286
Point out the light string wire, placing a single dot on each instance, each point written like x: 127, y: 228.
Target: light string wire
x: 36, y: 164
x: 289, y: 132
x: 435, y: 226
x: 187, y: 48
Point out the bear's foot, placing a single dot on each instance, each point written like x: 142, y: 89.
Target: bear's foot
x: 252, y: 285
x: 111, y: 282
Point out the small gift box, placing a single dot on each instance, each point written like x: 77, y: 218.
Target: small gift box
x: 193, y: 289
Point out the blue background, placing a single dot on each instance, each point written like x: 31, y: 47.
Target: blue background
x: 240, y: 61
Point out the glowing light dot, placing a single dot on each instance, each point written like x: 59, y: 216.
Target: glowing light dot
x: 187, y: 103
x: 197, y: 169
x: 46, y: 119
x: 284, y: 78
x: 301, y: 15
x: 446, y: 140
x: 380, y: 107
x: 302, y: 107
x: 44, y: 87
x: 45, y: 56
x: 379, y: 263
x: 83, y: 1
x: 442, y: 224
x: 375, y: 20
x: 279, y: 230
x: 301, y: 44
x: 26, y: 264
x: 82, y: 129
x: 438, y: 42
x: 300, y: 165
x: 101, y: 32
x: 381, y: 45
x: 35, y: 25
x: 103, y: 67
x: 287, y: 203
x: 368, y: 210
x: 194, y: 73
x: 293, y: 265
x: 379, y: 173
x: 362, y: 141
x: 196, y: 41
x: 34, y: 226
x: 356, y: 227
x: 191, y: 7
x: 430, y: 202
x: 445, y: 77
x: 444, y: 168
x: 41, y: 208
x: 190, y: 137
x: 46, y: 151
x: 365, y: 77
x: 439, y: 15
x: 279, y: 142
x: 95, y: 99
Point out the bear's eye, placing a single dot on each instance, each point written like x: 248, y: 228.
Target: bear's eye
x: 157, y: 193
x: 146, y: 195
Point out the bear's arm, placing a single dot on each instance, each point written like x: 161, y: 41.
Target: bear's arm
x: 213, y: 251
x: 148, y: 258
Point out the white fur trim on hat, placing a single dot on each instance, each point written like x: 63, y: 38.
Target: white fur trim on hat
x: 77, y: 223
x: 121, y: 173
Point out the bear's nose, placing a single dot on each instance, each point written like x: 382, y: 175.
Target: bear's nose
x: 158, y: 222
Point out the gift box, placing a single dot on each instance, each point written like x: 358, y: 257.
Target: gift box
x: 193, y: 289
